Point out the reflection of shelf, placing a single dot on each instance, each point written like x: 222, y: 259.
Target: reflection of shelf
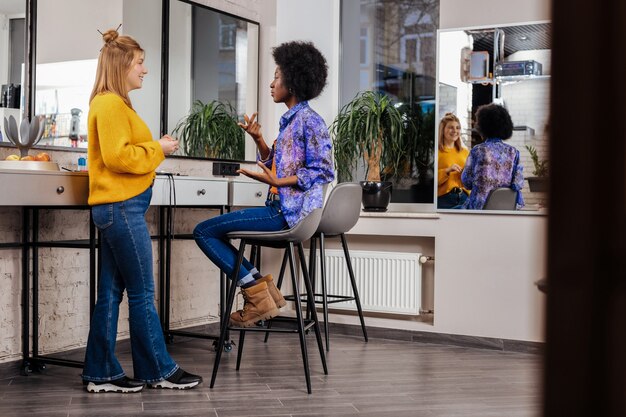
x: 517, y: 78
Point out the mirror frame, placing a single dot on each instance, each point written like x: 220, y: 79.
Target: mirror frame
x: 540, y: 212
x: 30, y: 70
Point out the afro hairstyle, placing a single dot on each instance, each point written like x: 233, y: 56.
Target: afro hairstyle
x: 494, y: 121
x: 303, y: 67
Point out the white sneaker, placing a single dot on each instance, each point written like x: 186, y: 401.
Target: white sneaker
x: 179, y: 380
x: 122, y: 385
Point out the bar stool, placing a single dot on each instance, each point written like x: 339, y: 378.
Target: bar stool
x: 289, y: 240
x: 341, y: 212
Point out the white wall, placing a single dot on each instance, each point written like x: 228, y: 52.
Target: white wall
x: 321, y: 27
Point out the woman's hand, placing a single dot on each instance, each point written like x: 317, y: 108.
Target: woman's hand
x: 168, y: 144
x: 266, y: 176
x: 251, y: 127
x: 454, y: 168
x: 254, y: 130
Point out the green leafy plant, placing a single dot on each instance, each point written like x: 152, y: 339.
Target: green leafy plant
x: 369, y: 127
x: 540, y: 166
x: 210, y: 130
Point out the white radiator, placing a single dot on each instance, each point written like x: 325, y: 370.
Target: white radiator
x: 388, y: 282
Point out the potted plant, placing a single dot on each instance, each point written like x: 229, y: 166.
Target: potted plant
x: 211, y: 131
x: 539, y: 182
x: 371, y: 128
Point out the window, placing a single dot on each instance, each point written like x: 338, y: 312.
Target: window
x: 391, y: 44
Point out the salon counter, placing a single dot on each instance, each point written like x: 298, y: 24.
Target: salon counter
x: 35, y: 191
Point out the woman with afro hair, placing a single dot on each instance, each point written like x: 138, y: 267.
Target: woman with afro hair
x: 295, y: 167
x: 493, y: 163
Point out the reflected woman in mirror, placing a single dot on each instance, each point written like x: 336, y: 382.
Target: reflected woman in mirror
x: 295, y: 168
x: 493, y: 163
x: 451, y: 161
x: 122, y: 162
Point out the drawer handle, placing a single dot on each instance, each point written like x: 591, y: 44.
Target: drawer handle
x: 60, y: 189
x: 202, y: 192
x: 259, y: 194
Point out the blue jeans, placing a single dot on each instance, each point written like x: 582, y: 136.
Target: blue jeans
x: 210, y: 235
x: 126, y: 264
x: 451, y: 200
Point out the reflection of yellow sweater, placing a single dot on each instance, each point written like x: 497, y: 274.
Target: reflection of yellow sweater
x: 121, y: 152
x: 446, y: 158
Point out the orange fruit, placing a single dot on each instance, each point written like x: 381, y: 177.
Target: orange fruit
x: 42, y: 156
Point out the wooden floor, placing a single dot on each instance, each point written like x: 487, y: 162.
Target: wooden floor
x: 379, y: 378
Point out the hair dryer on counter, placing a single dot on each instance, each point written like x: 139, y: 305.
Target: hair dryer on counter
x: 75, y: 127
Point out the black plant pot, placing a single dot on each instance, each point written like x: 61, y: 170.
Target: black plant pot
x: 538, y: 184
x: 376, y: 195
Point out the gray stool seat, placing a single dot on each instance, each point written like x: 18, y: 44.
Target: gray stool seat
x: 289, y: 240
x: 503, y: 198
x: 300, y: 233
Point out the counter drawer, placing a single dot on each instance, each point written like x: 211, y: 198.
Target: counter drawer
x: 26, y: 188
x: 189, y: 192
x: 246, y: 193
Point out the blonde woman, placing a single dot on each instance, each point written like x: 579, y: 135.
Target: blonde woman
x: 451, y: 161
x: 122, y: 162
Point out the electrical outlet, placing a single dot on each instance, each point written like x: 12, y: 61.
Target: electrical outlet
x: 225, y: 168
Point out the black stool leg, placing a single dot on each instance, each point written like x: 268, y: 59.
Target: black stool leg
x: 311, y: 303
x: 299, y: 318
x: 312, y: 270
x: 324, y: 292
x: 242, y: 335
x: 225, y: 319
x: 357, y: 299
x: 278, y: 285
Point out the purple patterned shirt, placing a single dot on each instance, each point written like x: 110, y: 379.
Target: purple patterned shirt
x: 491, y: 165
x: 303, y: 148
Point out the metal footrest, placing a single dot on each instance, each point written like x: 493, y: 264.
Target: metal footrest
x: 330, y: 299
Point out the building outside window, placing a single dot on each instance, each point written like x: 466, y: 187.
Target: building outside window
x: 391, y: 44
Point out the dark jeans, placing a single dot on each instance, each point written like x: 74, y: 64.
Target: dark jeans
x: 210, y: 235
x: 451, y: 200
x: 126, y: 265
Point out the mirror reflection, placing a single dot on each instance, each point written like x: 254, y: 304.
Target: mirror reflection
x: 12, y: 52
x: 508, y: 66
x: 66, y: 53
x: 212, y: 58
x: 213, y: 74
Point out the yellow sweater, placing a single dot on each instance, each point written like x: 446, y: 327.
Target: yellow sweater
x: 121, y: 152
x: 447, y: 158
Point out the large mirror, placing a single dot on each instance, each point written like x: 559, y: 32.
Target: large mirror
x: 68, y: 42
x: 211, y: 56
x: 12, y: 59
x: 509, y: 66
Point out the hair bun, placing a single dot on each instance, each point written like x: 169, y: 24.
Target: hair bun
x: 110, y: 35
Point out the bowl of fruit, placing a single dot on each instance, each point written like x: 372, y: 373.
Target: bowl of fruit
x: 37, y: 162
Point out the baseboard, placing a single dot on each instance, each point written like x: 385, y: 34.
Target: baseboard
x: 506, y: 345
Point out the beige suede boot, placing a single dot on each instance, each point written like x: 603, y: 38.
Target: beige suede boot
x: 273, y: 289
x: 258, y: 305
